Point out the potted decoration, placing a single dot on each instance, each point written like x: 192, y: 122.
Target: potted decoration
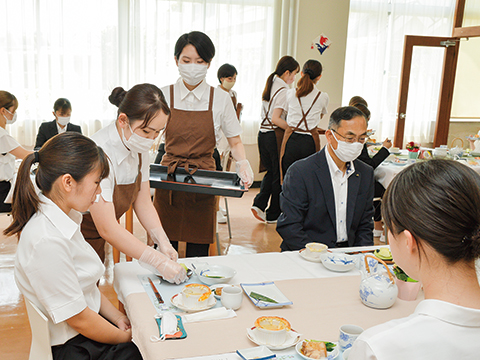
x: 408, y: 288
x: 413, y: 149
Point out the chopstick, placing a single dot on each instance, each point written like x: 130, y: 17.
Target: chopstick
x: 155, y: 291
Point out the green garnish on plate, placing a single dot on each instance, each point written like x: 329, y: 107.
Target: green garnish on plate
x: 213, y: 276
x: 328, y: 345
x: 261, y: 297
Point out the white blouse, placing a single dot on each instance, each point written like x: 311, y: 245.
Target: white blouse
x: 123, y: 162
x: 56, y: 269
x: 295, y: 112
x: 7, y: 160
x: 279, y: 101
x: 224, y: 115
x: 437, y: 330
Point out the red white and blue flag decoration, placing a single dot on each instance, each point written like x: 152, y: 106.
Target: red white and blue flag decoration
x: 321, y: 43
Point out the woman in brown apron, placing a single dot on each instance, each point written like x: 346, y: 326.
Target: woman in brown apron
x: 198, y: 112
x: 274, y: 107
x: 306, y: 106
x: 142, y: 114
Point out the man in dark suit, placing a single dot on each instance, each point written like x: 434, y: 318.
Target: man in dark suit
x: 62, y: 110
x: 328, y: 197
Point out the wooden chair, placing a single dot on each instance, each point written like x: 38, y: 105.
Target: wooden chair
x: 40, y: 348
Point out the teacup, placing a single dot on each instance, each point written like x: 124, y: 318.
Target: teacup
x: 195, y: 296
x: 232, y: 297
x: 348, y: 334
x: 313, y: 250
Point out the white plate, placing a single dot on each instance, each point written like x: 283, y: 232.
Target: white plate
x: 259, y: 353
x: 330, y: 354
x: 213, y: 287
x: 304, y: 255
x: 177, y: 301
x: 292, y: 339
x: 268, y: 289
x: 338, y: 262
x: 215, y: 274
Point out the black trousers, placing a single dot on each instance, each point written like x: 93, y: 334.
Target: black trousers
x: 82, y: 348
x: 298, y: 146
x: 377, y: 205
x: 4, y: 189
x: 216, y: 157
x: 270, y: 188
x: 193, y: 250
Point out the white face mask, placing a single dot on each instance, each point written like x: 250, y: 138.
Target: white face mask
x: 137, y: 143
x: 347, y: 152
x: 228, y: 84
x: 192, y: 74
x: 63, y: 120
x: 12, y: 121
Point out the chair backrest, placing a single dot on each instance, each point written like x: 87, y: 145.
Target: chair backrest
x: 40, y: 348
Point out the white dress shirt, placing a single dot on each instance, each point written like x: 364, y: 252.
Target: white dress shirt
x: 295, y: 114
x: 437, y: 330
x: 279, y: 101
x: 123, y: 162
x: 340, y: 194
x: 56, y: 269
x: 224, y: 116
x: 60, y: 129
x: 7, y: 161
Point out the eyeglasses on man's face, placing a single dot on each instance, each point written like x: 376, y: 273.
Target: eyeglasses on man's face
x: 351, y: 139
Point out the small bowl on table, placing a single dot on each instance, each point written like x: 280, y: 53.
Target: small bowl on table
x: 215, y: 274
x: 338, y: 262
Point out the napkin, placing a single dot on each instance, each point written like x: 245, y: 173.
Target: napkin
x: 212, y: 314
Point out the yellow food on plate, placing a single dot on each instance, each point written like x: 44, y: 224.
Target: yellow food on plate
x: 314, y: 349
x: 272, y: 323
x: 383, y: 253
x: 218, y: 291
x: 196, y: 290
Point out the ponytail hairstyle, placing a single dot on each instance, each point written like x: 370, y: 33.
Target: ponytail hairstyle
x: 437, y: 202
x: 7, y: 100
x: 67, y: 153
x: 311, y: 70
x: 141, y: 102
x: 286, y: 63
x: 360, y: 104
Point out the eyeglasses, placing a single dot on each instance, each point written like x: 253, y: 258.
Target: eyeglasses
x: 351, y: 139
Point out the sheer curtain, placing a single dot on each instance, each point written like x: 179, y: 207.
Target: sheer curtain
x: 82, y: 50
x: 375, y: 41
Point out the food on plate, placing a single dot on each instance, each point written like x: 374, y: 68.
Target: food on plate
x: 261, y: 297
x: 383, y: 253
x: 218, y: 291
x: 315, y: 349
x: 199, y: 291
x: 272, y: 323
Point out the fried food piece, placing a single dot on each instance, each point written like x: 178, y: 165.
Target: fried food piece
x: 314, y: 349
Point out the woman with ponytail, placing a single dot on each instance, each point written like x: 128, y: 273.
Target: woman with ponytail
x: 272, y: 127
x: 433, y: 219
x: 142, y: 114
x: 306, y: 106
x: 55, y: 268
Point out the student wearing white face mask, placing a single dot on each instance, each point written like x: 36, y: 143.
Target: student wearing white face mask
x: 9, y: 147
x: 142, y: 114
x: 329, y: 195
x: 199, y: 114
x: 62, y: 110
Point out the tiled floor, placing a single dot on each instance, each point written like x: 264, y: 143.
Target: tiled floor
x: 248, y: 236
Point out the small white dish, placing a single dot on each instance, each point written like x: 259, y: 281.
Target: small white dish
x: 215, y: 274
x: 268, y: 289
x: 258, y: 353
x: 338, y: 262
x: 304, y: 254
x: 330, y: 354
x: 177, y: 301
x: 216, y: 286
x: 292, y: 339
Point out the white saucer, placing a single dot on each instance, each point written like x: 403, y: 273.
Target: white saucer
x: 177, y: 301
x: 304, y: 255
x: 292, y: 339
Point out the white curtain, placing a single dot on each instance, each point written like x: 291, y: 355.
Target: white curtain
x: 81, y: 50
x: 376, y: 32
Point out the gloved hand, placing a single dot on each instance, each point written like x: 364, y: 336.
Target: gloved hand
x: 160, y: 238
x: 245, y: 172
x: 160, y: 264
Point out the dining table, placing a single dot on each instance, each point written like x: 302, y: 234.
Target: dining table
x: 322, y: 301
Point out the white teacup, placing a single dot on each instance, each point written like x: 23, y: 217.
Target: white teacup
x: 348, y: 334
x: 232, y: 297
x: 313, y: 250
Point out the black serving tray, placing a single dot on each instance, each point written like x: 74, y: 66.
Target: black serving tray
x: 219, y: 183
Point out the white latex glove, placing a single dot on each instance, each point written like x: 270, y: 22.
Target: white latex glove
x: 160, y: 238
x: 245, y: 172
x: 159, y: 264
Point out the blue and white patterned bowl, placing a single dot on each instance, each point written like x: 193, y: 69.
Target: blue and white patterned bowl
x: 337, y: 261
